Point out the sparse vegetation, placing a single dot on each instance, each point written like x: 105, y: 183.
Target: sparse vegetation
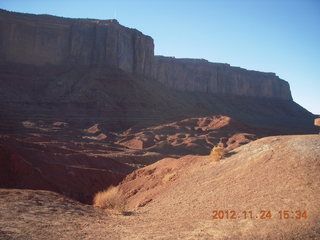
x: 168, y: 177
x: 218, y: 152
x: 112, y: 199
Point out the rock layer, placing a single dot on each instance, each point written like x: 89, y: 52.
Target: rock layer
x: 50, y: 166
x: 199, y: 75
x: 44, y: 39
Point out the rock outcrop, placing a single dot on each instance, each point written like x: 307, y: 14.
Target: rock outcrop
x: 44, y: 39
x: 199, y: 75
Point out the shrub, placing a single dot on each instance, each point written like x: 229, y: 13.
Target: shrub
x: 217, y: 153
x: 111, y: 198
x: 168, y: 177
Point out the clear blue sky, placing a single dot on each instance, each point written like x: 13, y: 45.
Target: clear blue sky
x: 281, y: 36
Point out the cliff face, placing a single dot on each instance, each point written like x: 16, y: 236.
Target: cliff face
x: 198, y: 75
x: 44, y: 39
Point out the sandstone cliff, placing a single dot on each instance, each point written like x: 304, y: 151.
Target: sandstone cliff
x: 198, y: 75
x: 44, y: 39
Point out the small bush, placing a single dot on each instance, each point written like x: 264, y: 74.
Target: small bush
x: 112, y: 199
x: 217, y: 153
x: 168, y: 177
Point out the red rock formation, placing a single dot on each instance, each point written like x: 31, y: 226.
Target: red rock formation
x: 192, y: 136
x: 76, y: 175
x: 198, y: 75
x: 57, y: 72
x: 44, y: 39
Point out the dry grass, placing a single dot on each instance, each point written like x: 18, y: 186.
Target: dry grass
x: 217, y: 153
x: 168, y: 177
x: 112, y: 199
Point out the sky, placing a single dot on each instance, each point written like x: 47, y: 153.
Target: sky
x: 280, y: 36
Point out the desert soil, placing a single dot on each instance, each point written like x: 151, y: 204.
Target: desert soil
x: 270, y: 174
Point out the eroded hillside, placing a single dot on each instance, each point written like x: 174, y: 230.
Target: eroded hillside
x: 271, y: 174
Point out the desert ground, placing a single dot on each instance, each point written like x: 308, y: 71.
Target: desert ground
x: 280, y: 173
